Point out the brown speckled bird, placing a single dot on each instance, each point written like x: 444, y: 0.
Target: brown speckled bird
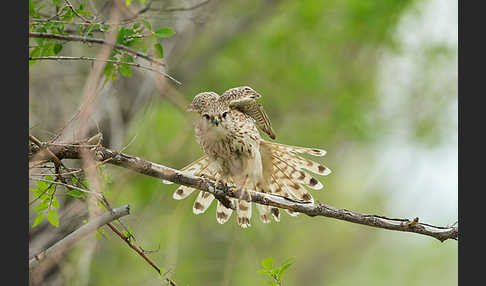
x: 237, y: 155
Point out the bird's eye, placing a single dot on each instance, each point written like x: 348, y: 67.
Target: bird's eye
x: 206, y: 116
x: 224, y: 114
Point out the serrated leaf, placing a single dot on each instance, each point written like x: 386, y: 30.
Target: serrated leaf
x: 159, y: 51
x: 267, y: 263
x: 38, y: 219
x: 52, y: 217
x: 164, y: 33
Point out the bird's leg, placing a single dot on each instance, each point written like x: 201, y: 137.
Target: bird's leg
x: 243, y: 188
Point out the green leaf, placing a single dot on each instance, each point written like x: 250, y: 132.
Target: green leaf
x: 57, y: 48
x: 76, y: 194
x: 164, y: 33
x: 109, y: 72
x: 159, y: 51
x: 128, y: 59
x: 264, y: 271
x: 287, y: 260
x: 32, y: 12
x: 285, y: 267
x: 42, y: 206
x: 128, y: 2
x: 267, y: 263
x: 147, y: 24
x: 57, y: 3
x: 47, y: 49
x: 38, y: 219
x: 85, y: 180
x: 52, y: 217
x: 55, y: 203
x: 125, y: 70
x: 42, y: 186
x: 34, y: 53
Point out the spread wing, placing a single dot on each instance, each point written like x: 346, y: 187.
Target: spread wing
x: 243, y: 99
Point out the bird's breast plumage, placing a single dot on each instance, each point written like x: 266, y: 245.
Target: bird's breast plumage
x: 230, y: 144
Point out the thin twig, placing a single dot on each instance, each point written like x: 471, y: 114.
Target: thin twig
x: 71, y: 187
x: 134, y: 247
x: 83, y: 58
x: 179, y: 9
x: 76, y: 12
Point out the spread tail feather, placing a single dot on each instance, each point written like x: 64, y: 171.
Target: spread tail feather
x: 243, y: 212
x: 289, y: 172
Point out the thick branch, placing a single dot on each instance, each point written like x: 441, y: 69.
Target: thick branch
x: 145, y: 167
x: 103, y: 42
x: 55, y: 251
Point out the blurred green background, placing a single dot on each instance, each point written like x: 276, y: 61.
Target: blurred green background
x: 372, y: 82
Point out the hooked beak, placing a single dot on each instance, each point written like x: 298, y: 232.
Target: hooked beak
x: 216, y: 121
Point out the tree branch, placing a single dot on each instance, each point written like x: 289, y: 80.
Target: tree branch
x: 178, y: 9
x: 55, y: 251
x: 103, y: 42
x: 73, y: 151
x: 83, y: 58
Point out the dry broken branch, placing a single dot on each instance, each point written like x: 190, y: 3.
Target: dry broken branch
x: 73, y: 151
x: 55, y: 251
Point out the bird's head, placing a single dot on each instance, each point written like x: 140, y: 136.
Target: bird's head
x: 216, y: 115
x: 213, y: 114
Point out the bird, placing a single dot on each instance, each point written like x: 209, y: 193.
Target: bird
x: 226, y: 128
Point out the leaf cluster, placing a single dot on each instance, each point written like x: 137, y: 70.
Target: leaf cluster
x: 274, y: 273
x: 48, y: 203
x: 79, y: 21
